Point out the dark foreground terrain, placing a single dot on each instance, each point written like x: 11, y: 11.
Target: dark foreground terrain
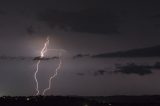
x: 80, y: 101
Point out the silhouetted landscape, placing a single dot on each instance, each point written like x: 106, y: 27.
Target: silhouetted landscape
x: 81, y: 101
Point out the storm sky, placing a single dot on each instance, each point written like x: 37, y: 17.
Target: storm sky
x: 83, y: 28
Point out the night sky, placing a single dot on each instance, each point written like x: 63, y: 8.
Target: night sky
x: 87, y: 30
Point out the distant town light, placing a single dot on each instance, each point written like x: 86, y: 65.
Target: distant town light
x: 86, y: 105
x: 28, y: 99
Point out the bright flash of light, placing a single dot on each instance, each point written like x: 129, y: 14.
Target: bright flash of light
x: 42, y: 53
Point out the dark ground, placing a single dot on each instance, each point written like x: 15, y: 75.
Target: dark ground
x: 80, y: 101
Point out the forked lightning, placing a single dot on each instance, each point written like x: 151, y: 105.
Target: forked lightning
x: 42, y: 54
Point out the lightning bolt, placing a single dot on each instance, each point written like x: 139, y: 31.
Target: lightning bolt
x: 35, y: 77
x: 54, y: 75
x: 42, y: 53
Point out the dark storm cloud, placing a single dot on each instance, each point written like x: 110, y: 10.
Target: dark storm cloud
x: 3, y: 57
x: 45, y: 58
x: 132, y: 68
x: 92, y: 20
x: 81, y: 56
x: 94, y: 73
x: 127, y: 69
x: 153, y: 51
x: 99, y: 72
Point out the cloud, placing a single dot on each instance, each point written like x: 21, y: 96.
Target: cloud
x: 94, y: 73
x: 153, y: 51
x: 128, y: 69
x: 93, y: 20
x: 132, y: 68
x: 81, y: 56
x: 45, y: 58
x: 3, y: 57
x: 99, y: 72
